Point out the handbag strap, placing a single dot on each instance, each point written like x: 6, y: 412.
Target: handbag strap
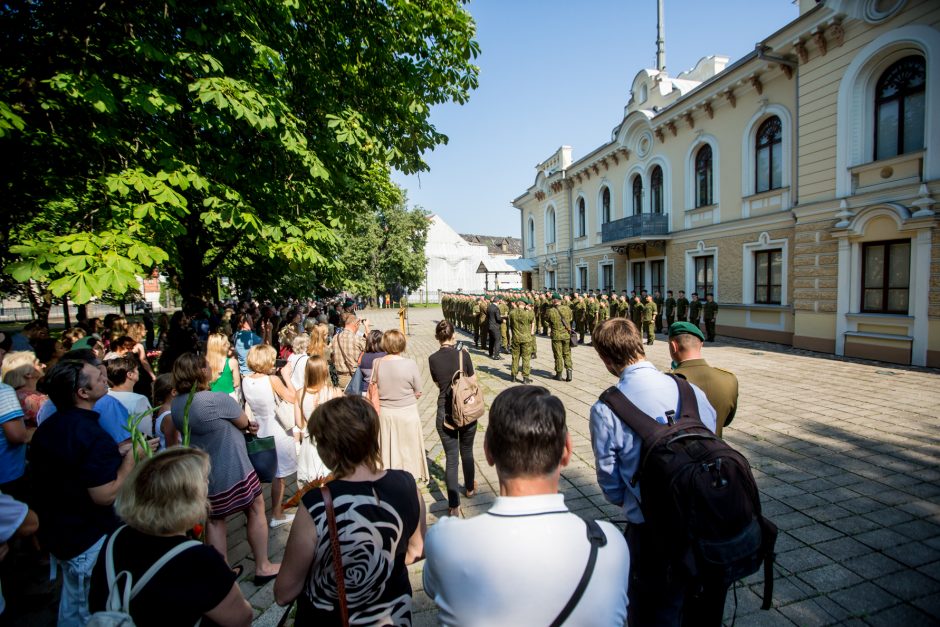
x: 597, y: 539
x: 337, y: 555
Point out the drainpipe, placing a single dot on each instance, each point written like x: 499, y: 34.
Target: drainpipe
x: 762, y: 54
x: 564, y: 177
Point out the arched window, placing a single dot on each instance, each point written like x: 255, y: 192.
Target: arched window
x: 656, y: 190
x: 582, y: 218
x: 769, y: 168
x: 703, y: 176
x: 637, y: 195
x: 899, y: 108
x: 531, y: 232
x: 605, y: 206
x: 550, y: 226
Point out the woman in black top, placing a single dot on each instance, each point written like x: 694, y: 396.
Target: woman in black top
x: 380, y: 523
x: 161, y: 500
x: 443, y: 365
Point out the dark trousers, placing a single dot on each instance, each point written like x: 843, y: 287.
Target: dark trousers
x: 660, y: 598
x: 496, y: 341
x: 457, y: 442
x: 669, y: 320
x: 710, y: 330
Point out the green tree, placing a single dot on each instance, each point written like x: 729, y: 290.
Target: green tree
x: 197, y: 135
x: 384, y: 248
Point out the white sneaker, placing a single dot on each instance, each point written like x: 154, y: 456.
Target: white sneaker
x: 274, y: 523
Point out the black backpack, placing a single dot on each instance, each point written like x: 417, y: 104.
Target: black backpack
x: 699, y: 495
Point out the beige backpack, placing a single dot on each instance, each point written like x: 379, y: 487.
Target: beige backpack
x: 468, y: 398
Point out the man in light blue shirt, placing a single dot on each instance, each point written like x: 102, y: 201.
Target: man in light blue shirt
x: 617, y: 448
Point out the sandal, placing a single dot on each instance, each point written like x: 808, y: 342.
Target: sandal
x: 238, y: 570
x: 455, y: 512
x: 472, y: 491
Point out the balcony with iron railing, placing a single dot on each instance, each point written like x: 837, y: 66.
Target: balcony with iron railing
x: 644, y: 225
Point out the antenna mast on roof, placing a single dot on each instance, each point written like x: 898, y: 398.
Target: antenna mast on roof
x: 660, y: 38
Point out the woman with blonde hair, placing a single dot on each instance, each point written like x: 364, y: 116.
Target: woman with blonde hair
x: 21, y: 371
x: 319, y: 341
x: 263, y: 390
x: 380, y: 521
x: 316, y: 390
x: 138, y: 332
x: 296, y: 363
x: 162, y: 499
x: 225, y: 376
x: 399, y: 383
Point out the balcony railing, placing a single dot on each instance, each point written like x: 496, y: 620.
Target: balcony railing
x: 643, y: 225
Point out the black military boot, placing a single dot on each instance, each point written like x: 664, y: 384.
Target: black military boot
x: 568, y: 378
x: 527, y: 380
x: 558, y: 377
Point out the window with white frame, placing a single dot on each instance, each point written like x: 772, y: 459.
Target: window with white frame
x: 531, y: 241
x: 703, y: 176
x: 605, y: 205
x: 637, y: 186
x: 550, y: 279
x: 900, y: 96
x: 607, y: 276
x: 550, y: 226
x: 705, y: 275
x: 582, y: 278
x: 768, y: 170
x: 656, y: 190
x: 886, y: 277
x: 768, y: 276
x: 582, y: 218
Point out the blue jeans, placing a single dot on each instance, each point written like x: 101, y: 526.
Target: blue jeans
x: 76, y: 581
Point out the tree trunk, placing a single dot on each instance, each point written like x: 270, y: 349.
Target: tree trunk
x: 82, y: 314
x: 40, y: 300
x: 65, y: 311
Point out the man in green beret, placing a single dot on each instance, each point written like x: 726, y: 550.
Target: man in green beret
x: 522, y: 325
x: 720, y: 386
x: 504, y: 325
x: 649, y: 319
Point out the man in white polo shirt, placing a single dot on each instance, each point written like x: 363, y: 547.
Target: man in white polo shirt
x: 528, y: 561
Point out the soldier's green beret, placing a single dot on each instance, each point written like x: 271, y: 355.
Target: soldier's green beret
x: 527, y: 301
x: 556, y: 296
x: 679, y: 328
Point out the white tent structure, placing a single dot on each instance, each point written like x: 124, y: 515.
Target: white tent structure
x: 453, y: 263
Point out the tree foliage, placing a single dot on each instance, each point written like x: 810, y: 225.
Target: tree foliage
x: 242, y: 134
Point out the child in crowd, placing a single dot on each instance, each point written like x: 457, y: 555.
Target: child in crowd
x: 163, y: 394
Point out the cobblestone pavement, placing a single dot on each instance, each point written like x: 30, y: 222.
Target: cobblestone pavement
x: 846, y: 454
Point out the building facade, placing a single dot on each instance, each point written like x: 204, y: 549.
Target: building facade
x: 797, y: 184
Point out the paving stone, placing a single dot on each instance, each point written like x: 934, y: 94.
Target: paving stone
x: 931, y: 570
x: 792, y: 520
x: 902, y: 614
x: 864, y: 598
x: 854, y: 524
x: 817, y: 532
x: 827, y: 513
x: 873, y: 565
x: 929, y: 604
x: 913, y: 553
x: 807, y: 612
x: 881, y: 538
x: 888, y: 516
x: 830, y: 577
x: 842, y: 549
x: 908, y: 584
x: 802, y: 559
x: 918, y: 529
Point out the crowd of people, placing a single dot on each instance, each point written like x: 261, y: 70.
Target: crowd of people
x: 139, y: 441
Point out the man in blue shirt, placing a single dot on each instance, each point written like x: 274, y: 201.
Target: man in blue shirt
x: 619, y: 344
x: 13, y: 439
x: 245, y: 338
x: 112, y: 415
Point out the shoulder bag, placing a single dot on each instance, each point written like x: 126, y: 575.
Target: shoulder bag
x: 263, y: 456
x: 337, y: 554
x: 284, y: 411
x: 372, y: 395
x: 597, y: 539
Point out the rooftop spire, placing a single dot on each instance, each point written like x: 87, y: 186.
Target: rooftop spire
x: 660, y: 38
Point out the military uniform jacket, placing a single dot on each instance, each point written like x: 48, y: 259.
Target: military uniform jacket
x: 711, y: 310
x: 520, y: 322
x: 670, y: 304
x: 695, y: 310
x: 720, y: 386
x: 682, y: 306
x: 649, y: 311
x: 559, y: 320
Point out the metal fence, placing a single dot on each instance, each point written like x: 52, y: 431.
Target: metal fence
x: 22, y: 315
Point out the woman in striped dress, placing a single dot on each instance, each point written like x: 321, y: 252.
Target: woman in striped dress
x: 217, y: 425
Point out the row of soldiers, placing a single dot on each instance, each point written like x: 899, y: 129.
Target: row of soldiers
x: 502, y: 319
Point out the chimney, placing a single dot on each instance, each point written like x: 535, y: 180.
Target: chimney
x: 660, y: 38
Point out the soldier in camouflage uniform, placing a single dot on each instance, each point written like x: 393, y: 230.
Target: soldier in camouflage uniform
x: 650, y: 312
x: 559, y: 320
x: 658, y: 299
x: 590, y: 310
x: 546, y: 305
x: 504, y: 327
x: 636, y: 312
x: 522, y: 323
x: 579, y: 309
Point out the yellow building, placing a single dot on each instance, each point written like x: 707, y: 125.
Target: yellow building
x: 797, y: 184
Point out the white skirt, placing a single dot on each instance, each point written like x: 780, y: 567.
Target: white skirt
x: 402, y: 441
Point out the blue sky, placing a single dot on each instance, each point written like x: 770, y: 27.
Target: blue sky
x: 556, y: 72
